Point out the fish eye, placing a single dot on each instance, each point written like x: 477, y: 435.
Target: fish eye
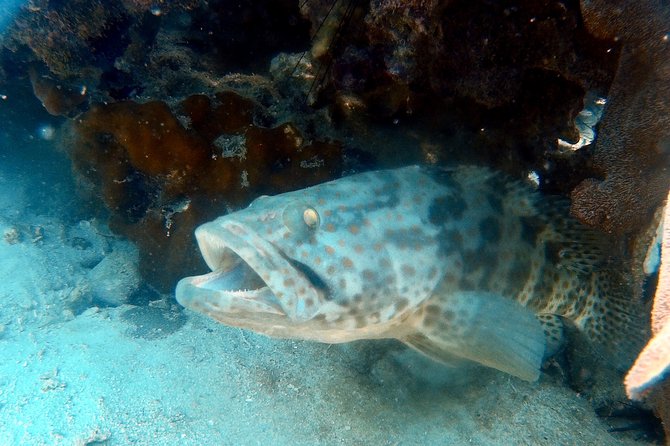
x: 311, y: 218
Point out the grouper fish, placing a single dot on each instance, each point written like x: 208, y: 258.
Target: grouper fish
x: 459, y: 263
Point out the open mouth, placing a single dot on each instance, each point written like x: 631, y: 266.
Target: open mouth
x: 238, y: 257
x: 230, y: 290
x: 233, y: 286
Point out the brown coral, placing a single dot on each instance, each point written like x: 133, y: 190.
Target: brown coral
x: 162, y: 173
x: 632, y: 151
x: 57, y: 98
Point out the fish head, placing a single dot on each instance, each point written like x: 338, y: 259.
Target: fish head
x: 310, y: 264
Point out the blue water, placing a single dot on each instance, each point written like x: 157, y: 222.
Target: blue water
x: 7, y: 10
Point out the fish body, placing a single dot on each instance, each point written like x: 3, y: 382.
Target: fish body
x: 457, y: 263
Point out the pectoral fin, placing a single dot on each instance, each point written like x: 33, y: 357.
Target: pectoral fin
x: 482, y: 327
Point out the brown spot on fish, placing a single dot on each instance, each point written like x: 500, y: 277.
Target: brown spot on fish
x: 489, y: 229
x: 329, y: 227
x: 347, y: 263
x: 451, y: 241
x: 354, y: 229
x: 368, y: 274
x: 401, y: 304
x: 429, y: 321
x: 495, y: 202
x: 329, y: 249
x: 359, y: 249
x: 408, y: 270
x: 531, y: 228
x: 361, y: 322
x: 237, y: 230
x: 378, y: 247
x: 450, y: 278
x: 445, y: 208
x: 331, y: 270
x: 432, y: 310
x: 289, y: 282
x: 466, y: 284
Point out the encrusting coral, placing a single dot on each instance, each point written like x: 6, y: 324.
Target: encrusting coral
x: 118, y: 48
x: 57, y: 98
x: 508, y: 78
x: 651, y: 370
x: 632, y: 151
x: 161, y: 173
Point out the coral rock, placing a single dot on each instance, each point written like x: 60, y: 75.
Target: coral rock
x: 632, y: 151
x: 162, y: 173
x: 57, y: 98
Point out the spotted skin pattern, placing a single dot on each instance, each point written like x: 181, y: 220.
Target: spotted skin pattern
x: 444, y: 260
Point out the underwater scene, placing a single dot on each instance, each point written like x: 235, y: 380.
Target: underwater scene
x: 334, y: 222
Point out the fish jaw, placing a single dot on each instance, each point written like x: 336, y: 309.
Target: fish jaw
x: 215, y: 294
x: 251, y: 279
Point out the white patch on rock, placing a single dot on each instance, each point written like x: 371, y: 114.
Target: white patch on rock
x: 232, y: 146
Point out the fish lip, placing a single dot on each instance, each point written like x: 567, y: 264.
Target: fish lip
x: 197, y: 293
x: 227, y: 245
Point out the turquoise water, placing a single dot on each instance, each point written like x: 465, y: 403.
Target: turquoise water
x: 94, y: 348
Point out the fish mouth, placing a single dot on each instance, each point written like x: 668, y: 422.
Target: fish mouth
x: 249, y: 276
x: 228, y: 290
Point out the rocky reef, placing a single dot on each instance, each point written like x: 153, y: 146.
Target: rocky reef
x: 163, y: 172
x: 632, y: 154
x: 176, y: 112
